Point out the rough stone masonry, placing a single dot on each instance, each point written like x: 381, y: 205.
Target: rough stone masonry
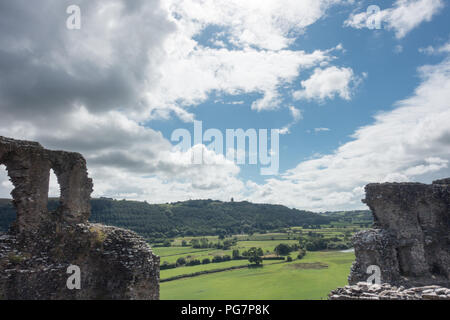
x: 409, y: 242
x: 40, y: 246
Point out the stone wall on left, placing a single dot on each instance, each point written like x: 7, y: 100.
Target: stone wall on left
x: 41, y: 245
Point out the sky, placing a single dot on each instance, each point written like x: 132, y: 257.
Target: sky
x: 358, y: 95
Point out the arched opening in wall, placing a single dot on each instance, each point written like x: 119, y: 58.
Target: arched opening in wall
x: 54, y: 192
x: 7, y: 211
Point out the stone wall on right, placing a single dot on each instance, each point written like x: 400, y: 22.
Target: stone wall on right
x: 410, y: 239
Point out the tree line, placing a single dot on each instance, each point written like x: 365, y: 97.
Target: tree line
x: 157, y: 222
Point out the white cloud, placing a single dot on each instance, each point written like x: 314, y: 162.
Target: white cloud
x: 191, y: 74
x: 327, y: 84
x: 5, y: 185
x: 250, y: 52
x: 409, y: 143
x: 321, y: 130
x: 296, y: 115
x: 184, y: 181
x: 267, y: 24
x: 430, y: 50
x: 118, y: 151
x: 404, y: 16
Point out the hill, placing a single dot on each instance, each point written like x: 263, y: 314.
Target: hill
x: 363, y: 218
x: 193, y: 217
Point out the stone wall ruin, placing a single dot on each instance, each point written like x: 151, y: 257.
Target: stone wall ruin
x: 409, y: 243
x: 28, y: 165
x: 410, y: 240
x: 41, y: 245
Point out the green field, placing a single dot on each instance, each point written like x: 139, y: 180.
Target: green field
x: 190, y: 254
x: 164, y: 274
x: 266, y: 241
x: 171, y: 254
x: 311, y: 278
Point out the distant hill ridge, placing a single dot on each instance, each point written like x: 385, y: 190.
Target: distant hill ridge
x: 193, y: 217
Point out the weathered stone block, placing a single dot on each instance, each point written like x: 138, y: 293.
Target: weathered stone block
x: 410, y: 241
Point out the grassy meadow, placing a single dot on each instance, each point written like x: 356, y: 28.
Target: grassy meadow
x: 311, y: 277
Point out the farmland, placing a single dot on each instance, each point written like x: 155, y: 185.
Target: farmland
x: 311, y: 277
